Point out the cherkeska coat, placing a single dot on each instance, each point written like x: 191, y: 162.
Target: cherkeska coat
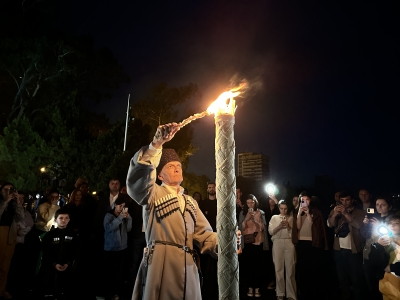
x: 167, y: 271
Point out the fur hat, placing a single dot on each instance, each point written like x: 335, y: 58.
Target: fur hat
x: 167, y: 156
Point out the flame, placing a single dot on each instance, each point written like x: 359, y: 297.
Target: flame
x: 224, y: 103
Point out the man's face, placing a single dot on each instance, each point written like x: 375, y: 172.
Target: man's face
x: 53, y: 198
x: 211, y: 189
x: 62, y: 220
x: 347, y: 202
x: 114, y: 186
x: 238, y: 196
x: 171, y: 173
x: 84, y: 188
x: 6, y: 190
x: 364, y: 196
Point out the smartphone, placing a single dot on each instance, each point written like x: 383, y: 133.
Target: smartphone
x: 303, y: 203
x: 371, y: 213
x: 125, y: 209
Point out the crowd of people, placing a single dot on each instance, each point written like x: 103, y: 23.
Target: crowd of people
x: 160, y: 243
x: 69, y: 248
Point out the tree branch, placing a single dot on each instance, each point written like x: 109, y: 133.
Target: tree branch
x: 16, y: 82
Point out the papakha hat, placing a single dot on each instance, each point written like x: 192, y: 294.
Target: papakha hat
x: 167, y: 156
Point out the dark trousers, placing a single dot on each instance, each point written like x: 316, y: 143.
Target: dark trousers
x: 135, y: 255
x: 371, y: 275
x: 352, y: 281
x: 115, y: 270
x: 252, y: 256
x: 309, y: 271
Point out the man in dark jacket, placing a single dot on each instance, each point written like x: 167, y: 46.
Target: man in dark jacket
x: 58, y: 255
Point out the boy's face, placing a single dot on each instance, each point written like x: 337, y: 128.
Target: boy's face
x: 394, y: 226
x: 62, y: 220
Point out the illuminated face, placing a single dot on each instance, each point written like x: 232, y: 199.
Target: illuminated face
x: 171, y: 173
x: 394, y: 226
x: 382, y: 207
x: 347, y: 202
x: 250, y: 203
x: 62, y: 220
x: 211, y: 189
x: 283, y: 209
x: 114, y: 186
x: 364, y: 196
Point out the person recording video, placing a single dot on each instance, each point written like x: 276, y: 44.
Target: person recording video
x: 11, y: 213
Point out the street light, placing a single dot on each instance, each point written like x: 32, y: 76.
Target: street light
x: 43, y: 169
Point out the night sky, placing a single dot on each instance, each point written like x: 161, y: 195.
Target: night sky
x: 329, y: 75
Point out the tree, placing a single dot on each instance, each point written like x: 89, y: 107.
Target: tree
x: 46, y: 70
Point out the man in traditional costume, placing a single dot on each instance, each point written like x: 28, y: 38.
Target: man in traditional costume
x: 172, y: 221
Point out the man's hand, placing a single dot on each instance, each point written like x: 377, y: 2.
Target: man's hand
x: 164, y: 134
x: 61, y: 268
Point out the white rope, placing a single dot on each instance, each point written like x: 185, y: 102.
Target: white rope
x: 228, y: 268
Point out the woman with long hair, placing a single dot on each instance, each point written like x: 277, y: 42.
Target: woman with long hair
x: 197, y: 196
x: 76, y: 212
x: 372, y: 221
x: 283, y: 252
x: 253, y: 227
x: 309, y: 233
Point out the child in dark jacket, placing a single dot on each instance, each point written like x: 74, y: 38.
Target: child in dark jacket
x: 117, y: 224
x: 58, y: 255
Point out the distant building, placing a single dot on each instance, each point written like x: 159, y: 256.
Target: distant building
x: 253, y: 166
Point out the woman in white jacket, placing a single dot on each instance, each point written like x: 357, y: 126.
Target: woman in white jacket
x: 283, y: 252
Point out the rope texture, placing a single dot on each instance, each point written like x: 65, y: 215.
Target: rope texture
x: 228, y: 267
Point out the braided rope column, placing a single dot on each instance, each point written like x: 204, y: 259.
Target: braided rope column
x: 228, y: 267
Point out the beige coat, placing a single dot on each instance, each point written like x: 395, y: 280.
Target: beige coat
x: 168, y: 272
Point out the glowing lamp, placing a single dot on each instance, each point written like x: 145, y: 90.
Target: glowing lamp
x: 43, y: 169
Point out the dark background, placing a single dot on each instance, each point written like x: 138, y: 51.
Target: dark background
x: 329, y: 72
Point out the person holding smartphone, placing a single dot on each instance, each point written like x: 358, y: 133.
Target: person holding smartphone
x: 283, y: 252
x: 11, y: 213
x: 372, y: 220
x: 117, y: 224
x: 309, y: 234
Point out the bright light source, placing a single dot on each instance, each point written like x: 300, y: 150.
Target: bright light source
x: 270, y: 188
x: 43, y: 169
x: 94, y: 193
x: 383, y: 230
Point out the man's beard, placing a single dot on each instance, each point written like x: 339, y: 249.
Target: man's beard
x: 211, y: 193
